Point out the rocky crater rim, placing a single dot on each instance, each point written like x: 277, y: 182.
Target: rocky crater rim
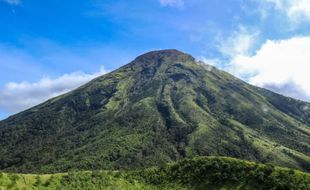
x: 157, y: 54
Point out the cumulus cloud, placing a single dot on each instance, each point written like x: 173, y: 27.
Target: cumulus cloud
x: 172, y: 3
x: 279, y: 65
x: 15, y: 97
x: 12, y: 2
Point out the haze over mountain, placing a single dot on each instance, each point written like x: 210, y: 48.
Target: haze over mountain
x: 163, y: 106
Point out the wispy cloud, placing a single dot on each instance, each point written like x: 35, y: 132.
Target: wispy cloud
x: 15, y: 97
x: 12, y: 2
x: 172, y: 3
x: 35, y: 58
x: 240, y: 42
x: 295, y: 10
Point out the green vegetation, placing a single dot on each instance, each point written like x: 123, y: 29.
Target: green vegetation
x: 198, y: 173
x: 162, y: 107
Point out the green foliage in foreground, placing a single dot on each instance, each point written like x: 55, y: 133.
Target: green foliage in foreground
x: 198, y: 173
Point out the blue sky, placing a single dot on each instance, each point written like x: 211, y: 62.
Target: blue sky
x: 53, y: 46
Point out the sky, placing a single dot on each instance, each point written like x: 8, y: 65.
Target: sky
x: 50, y: 47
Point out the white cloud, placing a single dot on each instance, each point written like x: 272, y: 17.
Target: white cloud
x: 240, y: 42
x: 172, y: 3
x: 43, y: 57
x: 15, y: 97
x: 300, y: 10
x: 12, y: 2
x: 296, y: 10
x: 280, y: 65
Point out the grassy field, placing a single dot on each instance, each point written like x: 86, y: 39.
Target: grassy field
x: 198, y: 173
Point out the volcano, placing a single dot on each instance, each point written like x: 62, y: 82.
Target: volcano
x: 161, y: 107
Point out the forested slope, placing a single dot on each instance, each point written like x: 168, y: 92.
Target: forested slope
x: 161, y: 107
x: 197, y: 174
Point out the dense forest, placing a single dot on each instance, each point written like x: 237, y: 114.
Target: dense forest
x: 162, y: 107
x: 121, y: 129
x: 198, y: 173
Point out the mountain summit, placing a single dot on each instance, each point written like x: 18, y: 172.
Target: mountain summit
x: 162, y: 106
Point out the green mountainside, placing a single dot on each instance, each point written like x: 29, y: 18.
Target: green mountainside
x: 161, y: 107
x: 200, y: 173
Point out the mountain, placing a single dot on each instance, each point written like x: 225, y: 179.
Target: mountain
x: 214, y: 173
x: 161, y: 107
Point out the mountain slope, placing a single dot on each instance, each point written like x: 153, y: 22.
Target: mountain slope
x: 162, y: 106
x: 198, y: 173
